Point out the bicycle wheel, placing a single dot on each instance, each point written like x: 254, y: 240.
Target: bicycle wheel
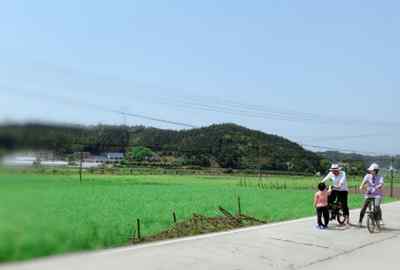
x: 377, y: 223
x: 371, y: 223
x: 340, y: 218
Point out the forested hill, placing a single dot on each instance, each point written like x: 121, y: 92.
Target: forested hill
x: 383, y: 161
x: 224, y: 145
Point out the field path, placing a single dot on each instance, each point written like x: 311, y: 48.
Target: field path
x: 287, y: 245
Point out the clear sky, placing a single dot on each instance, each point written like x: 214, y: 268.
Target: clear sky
x: 318, y: 72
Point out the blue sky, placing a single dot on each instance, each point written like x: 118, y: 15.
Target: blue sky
x: 328, y: 67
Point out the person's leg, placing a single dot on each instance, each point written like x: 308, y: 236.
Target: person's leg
x: 325, y: 213
x: 332, y: 197
x: 331, y: 200
x: 319, y: 216
x: 343, y: 198
x: 378, y: 208
x: 363, y: 210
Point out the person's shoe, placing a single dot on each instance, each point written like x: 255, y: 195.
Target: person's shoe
x: 348, y: 224
x: 360, y: 224
x: 319, y: 227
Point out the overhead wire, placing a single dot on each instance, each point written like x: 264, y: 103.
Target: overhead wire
x: 215, y: 104
x: 70, y: 101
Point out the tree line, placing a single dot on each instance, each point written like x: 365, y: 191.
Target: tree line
x: 222, y: 145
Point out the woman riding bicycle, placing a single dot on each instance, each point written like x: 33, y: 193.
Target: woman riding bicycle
x: 340, y: 190
x: 372, y: 184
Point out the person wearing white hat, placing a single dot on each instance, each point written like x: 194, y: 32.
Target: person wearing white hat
x: 372, y: 185
x: 340, y: 190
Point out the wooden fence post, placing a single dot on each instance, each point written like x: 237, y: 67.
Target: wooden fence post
x: 174, y: 216
x: 80, y: 167
x: 138, y: 229
x: 239, y: 206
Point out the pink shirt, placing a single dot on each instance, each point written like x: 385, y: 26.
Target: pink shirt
x: 321, y: 199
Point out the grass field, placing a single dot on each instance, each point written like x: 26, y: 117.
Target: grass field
x: 51, y: 214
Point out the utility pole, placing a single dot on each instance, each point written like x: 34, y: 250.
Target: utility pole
x: 80, y: 167
x: 259, y: 162
x: 391, y: 176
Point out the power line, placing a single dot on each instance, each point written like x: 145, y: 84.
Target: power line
x: 269, y: 113
x: 222, y: 105
x: 340, y: 138
x: 341, y: 149
x: 69, y: 101
x: 75, y: 102
x: 259, y: 111
x: 155, y: 119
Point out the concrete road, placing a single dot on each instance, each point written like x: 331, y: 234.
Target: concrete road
x: 288, y: 245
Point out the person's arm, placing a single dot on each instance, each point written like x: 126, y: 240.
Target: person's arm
x: 342, y: 181
x: 315, y: 199
x: 327, y: 177
x: 381, y: 183
x: 364, y: 181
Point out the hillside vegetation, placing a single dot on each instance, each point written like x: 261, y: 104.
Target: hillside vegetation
x: 362, y: 161
x: 223, y: 145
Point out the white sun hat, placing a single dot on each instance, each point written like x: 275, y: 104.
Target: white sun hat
x: 373, y: 167
x: 335, y: 167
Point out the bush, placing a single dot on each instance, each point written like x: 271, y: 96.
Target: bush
x: 140, y: 153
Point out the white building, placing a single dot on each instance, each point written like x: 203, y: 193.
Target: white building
x: 27, y: 160
x: 19, y: 160
x: 114, y: 157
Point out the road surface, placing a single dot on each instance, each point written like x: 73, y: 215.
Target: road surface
x: 287, y: 245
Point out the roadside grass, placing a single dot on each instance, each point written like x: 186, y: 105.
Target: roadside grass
x: 43, y: 215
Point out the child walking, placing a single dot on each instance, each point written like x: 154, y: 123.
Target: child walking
x: 321, y: 206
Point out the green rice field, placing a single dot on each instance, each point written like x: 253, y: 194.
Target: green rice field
x: 43, y: 215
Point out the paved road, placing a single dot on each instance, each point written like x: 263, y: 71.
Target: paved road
x: 288, y: 245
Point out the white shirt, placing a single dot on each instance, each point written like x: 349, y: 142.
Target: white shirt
x: 339, y: 181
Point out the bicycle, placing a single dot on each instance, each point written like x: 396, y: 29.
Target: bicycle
x: 336, y: 212
x: 373, y: 223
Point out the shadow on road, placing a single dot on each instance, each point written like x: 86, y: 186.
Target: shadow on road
x: 385, y: 229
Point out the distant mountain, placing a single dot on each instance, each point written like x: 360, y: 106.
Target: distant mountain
x: 224, y: 145
x: 233, y: 146
x: 383, y: 161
